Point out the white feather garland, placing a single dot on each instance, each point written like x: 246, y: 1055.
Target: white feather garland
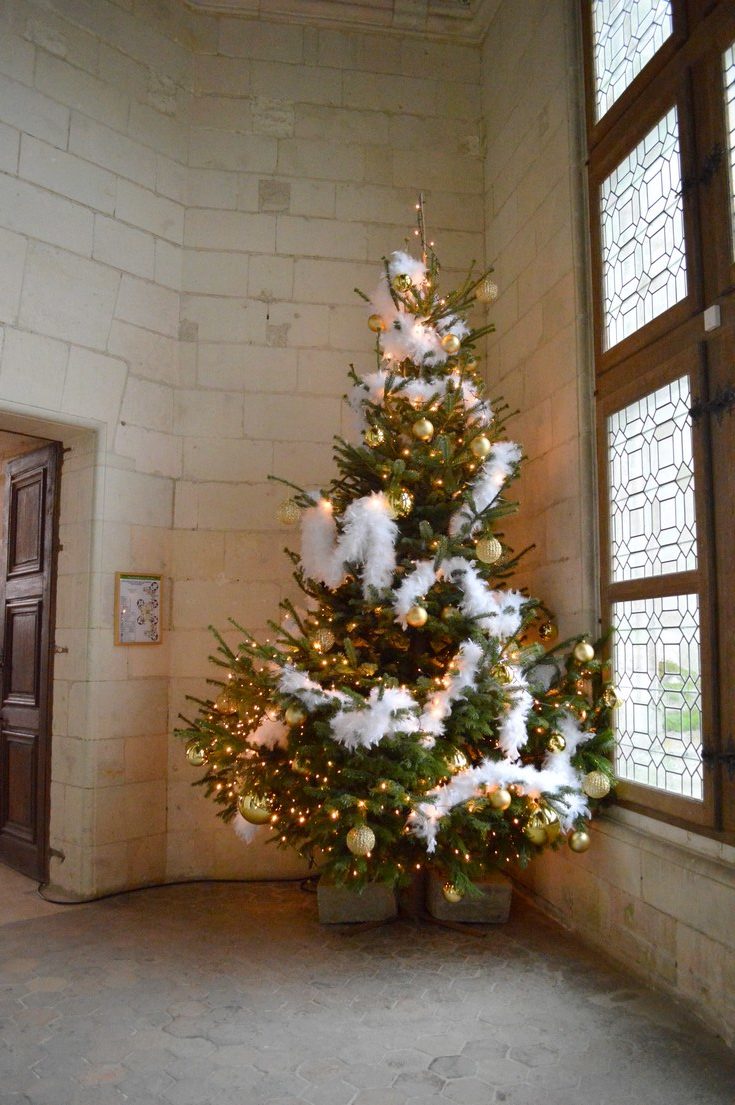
x: 246, y: 832
x: 486, y: 486
x: 319, y: 543
x: 498, y: 612
x: 269, y: 734
x: 369, y: 534
x: 418, y: 392
x: 401, y: 262
x: 385, y: 714
x: 438, y: 707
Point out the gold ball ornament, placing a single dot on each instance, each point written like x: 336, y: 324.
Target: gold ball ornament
x: 225, y: 702
x: 551, y: 823
x: 376, y: 324
x: 451, y: 344
x: 449, y: 612
x: 368, y: 669
x: 611, y: 697
x: 451, y: 893
x: 195, y: 754
x: 423, y: 429
x: 374, y: 436
x: 535, y: 829
x: 361, y: 840
x: 489, y: 550
x: 480, y: 446
x: 486, y: 291
x: 400, y: 501
x: 556, y: 742
x: 417, y: 616
x: 295, y: 715
x: 402, y: 282
x: 253, y: 809
x: 579, y: 841
x: 504, y: 674
x: 458, y: 760
x: 584, y: 652
x: 596, y: 784
x: 500, y: 799
x: 547, y: 631
x: 323, y: 640
x: 289, y: 512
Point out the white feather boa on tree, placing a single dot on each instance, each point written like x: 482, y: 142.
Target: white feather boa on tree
x: 498, y: 612
x: 486, y: 486
x: 372, y: 388
x: 368, y: 538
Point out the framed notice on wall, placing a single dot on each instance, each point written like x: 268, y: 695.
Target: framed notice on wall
x: 137, y: 609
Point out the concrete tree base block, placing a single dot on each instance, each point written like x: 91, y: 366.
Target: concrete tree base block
x: 340, y: 906
x: 492, y: 908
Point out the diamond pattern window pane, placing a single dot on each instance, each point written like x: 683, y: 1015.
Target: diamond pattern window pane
x: 656, y: 663
x: 653, y: 527
x: 626, y: 35
x: 642, y: 220
x: 728, y: 65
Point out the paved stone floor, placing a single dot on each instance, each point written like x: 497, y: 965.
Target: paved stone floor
x: 234, y: 995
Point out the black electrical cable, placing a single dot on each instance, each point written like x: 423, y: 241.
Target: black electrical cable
x: 305, y: 884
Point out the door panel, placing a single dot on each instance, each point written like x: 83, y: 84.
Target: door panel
x: 27, y: 594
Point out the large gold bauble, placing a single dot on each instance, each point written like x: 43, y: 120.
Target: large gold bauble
x: 500, y: 799
x: 402, y: 282
x: 488, y: 550
x: 451, y: 893
x: 480, y: 446
x: 195, y: 754
x: 423, y: 429
x: 596, y: 784
x: 417, y: 616
x: 374, y: 436
x: 556, y: 742
x: 323, y: 640
x: 400, y: 501
x: 253, y: 809
x: 504, y: 673
x: 612, y: 698
x: 451, y: 344
x: 584, y: 652
x: 580, y: 840
x: 289, y: 512
x: 547, y: 631
x: 295, y: 715
x: 486, y: 291
x: 458, y: 760
x: 535, y: 829
x: 361, y: 840
x: 376, y: 324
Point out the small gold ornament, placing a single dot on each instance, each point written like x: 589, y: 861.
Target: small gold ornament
x: 458, y: 760
x: 376, y: 324
x: 298, y: 767
x: 295, y: 715
x: 500, y: 799
x: 323, y: 640
x: 368, y: 669
x: 417, y: 616
x: 584, y: 652
x: 595, y: 784
x: 486, y: 291
x: 361, y: 840
x: 374, y: 436
x: 547, y: 631
x: 451, y: 344
x: 400, y: 501
x: 612, y: 697
x: 402, y: 282
x: 556, y: 742
x: 195, y: 754
x: 480, y: 446
x: 449, y: 612
x: 225, y: 702
x: 451, y: 893
x: 289, y: 512
x: 535, y: 829
x: 489, y: 550
x: 580, y: 840
x: 253, y: 809
x: 504, y: 673
x: 471, y: 363
x: 423, y: 429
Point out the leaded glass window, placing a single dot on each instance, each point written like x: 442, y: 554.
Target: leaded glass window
x: 626, y: 35
x: 642, y: 224
x: 656, y: 657
x: 652, y: 517
x: 728, y: 61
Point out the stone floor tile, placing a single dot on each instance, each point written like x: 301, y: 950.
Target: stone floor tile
x: 468, y: 1091
x: 453, y: 1066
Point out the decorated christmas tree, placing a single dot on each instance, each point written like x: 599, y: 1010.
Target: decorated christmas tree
x: 413, y: 710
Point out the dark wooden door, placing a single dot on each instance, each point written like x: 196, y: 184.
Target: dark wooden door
x: 27, y: 594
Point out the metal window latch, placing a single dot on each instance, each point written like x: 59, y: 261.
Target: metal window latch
x: 713, y: 759
x: 711, y: 165
x: 60, y: 649
x: 723, y: 400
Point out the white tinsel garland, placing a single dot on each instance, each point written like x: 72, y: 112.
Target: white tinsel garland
x: 486, y: 486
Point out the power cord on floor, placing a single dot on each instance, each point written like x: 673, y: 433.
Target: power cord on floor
x: 306, y: 884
